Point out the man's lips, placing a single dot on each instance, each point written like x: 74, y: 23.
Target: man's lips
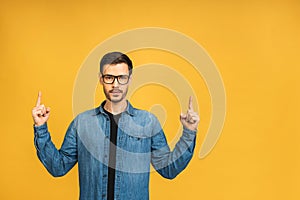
x: 115, y: 91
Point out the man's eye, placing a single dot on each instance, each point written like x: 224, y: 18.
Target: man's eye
x: 123, y: 77
x: 108, y: 77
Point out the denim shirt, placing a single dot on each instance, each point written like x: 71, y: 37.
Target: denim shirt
x: 140, y: 141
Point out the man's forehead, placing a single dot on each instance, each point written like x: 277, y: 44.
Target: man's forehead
x: 115, y: 68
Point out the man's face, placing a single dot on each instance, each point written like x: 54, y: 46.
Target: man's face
x: 115, y: 92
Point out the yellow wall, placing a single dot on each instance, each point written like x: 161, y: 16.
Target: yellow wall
x: 255, y: 45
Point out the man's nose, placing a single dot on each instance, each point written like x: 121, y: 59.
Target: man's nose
x: 115, y: 83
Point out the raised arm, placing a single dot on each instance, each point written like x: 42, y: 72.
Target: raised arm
x: 170, y: 163
x: 57, y: 162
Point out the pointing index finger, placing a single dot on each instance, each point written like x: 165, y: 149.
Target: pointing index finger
x: 38, y: 101
x: 190, y: 103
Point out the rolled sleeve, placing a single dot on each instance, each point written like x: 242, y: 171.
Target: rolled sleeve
x: 40, y: 131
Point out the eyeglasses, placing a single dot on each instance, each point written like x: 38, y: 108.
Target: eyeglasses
x: 110, y: 79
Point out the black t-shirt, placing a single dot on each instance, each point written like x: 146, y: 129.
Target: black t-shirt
x: 114, y: 119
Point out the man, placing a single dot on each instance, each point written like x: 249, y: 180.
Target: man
x: 114, y: 143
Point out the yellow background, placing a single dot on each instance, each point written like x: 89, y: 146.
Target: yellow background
x: 255, y: 45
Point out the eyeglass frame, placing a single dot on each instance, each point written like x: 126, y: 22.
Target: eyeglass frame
x: 115, y: 77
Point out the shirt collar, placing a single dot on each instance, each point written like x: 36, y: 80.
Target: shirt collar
x: 100, y: 110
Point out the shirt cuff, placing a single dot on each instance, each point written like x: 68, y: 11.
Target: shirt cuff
x: 40, y: 131
x: 186, y: 130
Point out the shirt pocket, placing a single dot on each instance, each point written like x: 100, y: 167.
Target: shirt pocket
x: 135, y: 154
x: 138, y: 143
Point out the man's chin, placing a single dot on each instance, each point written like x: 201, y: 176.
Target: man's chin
x: 116, y: 99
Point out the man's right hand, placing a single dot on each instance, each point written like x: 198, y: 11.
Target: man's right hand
x: 40, y: 113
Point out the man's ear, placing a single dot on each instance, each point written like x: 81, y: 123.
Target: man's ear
x: 130, y: 79
x: 100, y: 78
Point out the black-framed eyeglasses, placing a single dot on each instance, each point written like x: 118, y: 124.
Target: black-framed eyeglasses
x: 110, y: 79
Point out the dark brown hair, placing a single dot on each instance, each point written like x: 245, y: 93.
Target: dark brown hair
x: 113, y: 58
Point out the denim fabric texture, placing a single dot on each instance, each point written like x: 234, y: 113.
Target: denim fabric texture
x: 140, y: 142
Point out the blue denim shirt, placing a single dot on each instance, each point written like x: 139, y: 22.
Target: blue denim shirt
x: 140, y: 141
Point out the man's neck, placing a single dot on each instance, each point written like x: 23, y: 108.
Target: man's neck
x: 115, y: 108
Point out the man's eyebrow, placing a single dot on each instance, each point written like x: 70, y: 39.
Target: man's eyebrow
x: 115, y: 75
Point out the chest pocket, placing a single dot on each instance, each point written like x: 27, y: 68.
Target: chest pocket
x: 134, y: 137
x: 135, y: 154
x: 136, y: 143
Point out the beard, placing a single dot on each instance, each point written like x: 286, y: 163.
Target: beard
x: 115, y: 95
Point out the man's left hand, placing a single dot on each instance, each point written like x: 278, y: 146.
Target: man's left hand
x: 191, y: 119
